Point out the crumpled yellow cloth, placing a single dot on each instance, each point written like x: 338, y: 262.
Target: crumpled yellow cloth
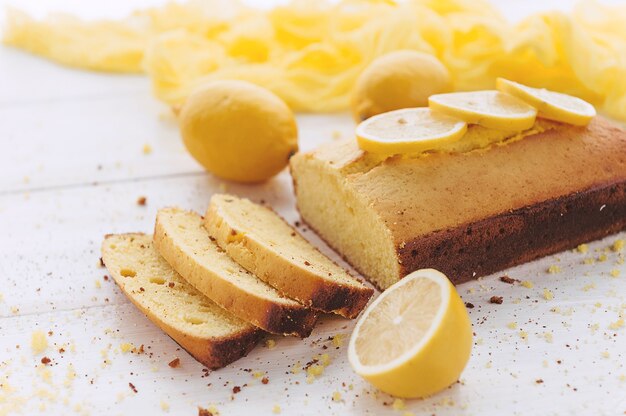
x: 310, y: 52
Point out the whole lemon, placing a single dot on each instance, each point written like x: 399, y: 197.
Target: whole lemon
x: 238, y: 130
x: 400, y: 79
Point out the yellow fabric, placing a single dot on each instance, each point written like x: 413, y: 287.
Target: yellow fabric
x: 310, y: 52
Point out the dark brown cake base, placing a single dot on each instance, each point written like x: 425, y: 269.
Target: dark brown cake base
x: 519, y: 236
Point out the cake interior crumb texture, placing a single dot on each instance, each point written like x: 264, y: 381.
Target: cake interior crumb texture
x: 467, y: 213
x: 182, y: 240
x: 212, y: 335
x: 262, y: 242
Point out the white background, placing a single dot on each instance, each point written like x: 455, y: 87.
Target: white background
x: 71, y: 170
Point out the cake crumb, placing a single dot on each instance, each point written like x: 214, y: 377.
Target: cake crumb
x: 210, y: 411
x: 589, y: 261
x: 527, y: 284
x: 338, y: 340
x: 141, y: 201
x: 126, y: 347
x: 605, y: 354
x: 270, y: 344
x: 547, y: 294
x: 147, y: 149
x: 582, y: 248
x: 548, y: 337
x: 615, y: 273
x: 617, y: 324
x: 175, y: 363
x: 296, y: 368
x: 398, y: 404
x: 618, y: 245
x: 336, y: 396
x: 165, y: 406
x: 496, y: 299
x: 98, y: 284
x: 554, y: 269
x: 38, y: 342
x: 507, y: 279
x: 512, y: 325
x: 276, y: 409
x: 523, y: 335
x: 315, y: 370
x: 602, y: 258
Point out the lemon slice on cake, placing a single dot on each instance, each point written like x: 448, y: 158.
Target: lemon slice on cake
x: 409, y: 130
x: 550, y: 104
x: 490, y: 108
x: 415, y: 338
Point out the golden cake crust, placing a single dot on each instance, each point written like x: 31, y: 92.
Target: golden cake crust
x: 417, y: 196
x: 501, y: 194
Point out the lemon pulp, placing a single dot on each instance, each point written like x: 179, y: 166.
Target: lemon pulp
x: 415, y: 338
x: 491, y: 109
x: 409, y: 130
x: 550, y: 104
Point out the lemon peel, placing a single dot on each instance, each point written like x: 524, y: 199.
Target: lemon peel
x: 399, y: 79
x: 238, y: 131
x: 549, y: 104
x: 410, y: 130
x: 491, y: 109
x: 415, y: 338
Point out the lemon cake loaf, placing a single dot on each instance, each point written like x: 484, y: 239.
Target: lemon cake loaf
x: 263, y: 243
x: 210, y: 334
x: 467, y: 213
x: 183, y: 241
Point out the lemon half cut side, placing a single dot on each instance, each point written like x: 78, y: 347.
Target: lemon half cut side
x: 489, y: 108
x: 410, y: 130
x: 550, y: 104
x: 415, y: 338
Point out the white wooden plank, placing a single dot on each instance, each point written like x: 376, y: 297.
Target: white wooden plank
x: 57, y: 126
x: 78, y: 139
x: 59, y: 232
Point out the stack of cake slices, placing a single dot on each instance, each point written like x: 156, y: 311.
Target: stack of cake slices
x: 217, y: 283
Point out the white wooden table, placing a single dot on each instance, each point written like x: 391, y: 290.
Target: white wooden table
x: 72, y: 167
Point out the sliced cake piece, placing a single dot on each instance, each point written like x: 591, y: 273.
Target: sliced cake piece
x: 262, y: 242
x: 185, y: 244
x: 210, y: 334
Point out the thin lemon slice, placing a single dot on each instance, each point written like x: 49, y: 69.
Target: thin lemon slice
x: 409, y: 130
x: 550, y: 104
x: 491, y: 109
x: 415, y: 338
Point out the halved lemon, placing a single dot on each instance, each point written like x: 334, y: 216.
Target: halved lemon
x: 550, y: 104
x: 409, y: 130
x: 491, y: 109
x: 415, y: 338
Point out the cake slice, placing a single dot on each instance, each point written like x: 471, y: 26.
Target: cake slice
x: 262, y: 242
x: 210, y: 334
x: 468, y: 212
x: 185, y: 244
